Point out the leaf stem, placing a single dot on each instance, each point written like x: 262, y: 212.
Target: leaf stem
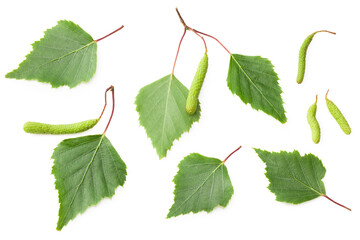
x: 336, y: 202
x: 109, y: 34
x: 198, y: 32
x: 203, y: 40
x: 231, y: 154
x: 111, y: 88
x: 104, y: 105
x: 213, y: 38
x: 177, y: 53
x: 326, y: 31
x: 326, y: 93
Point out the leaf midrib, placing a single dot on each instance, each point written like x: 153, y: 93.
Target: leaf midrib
x: 82, y: 180
x: 61, y: 57
x: 293, y: 177
x: 74, y: 51
x: 261, y: 93
x: 290, y: 175
x: 166, y: 109
x: 200, y: 186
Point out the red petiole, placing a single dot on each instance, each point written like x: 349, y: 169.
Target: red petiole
x: 198, y: 33
x: 111, y: 88
x: 97, y: 40
x: 104, y: 104
x: 231, y: 154
x: 336, y: 202
x: 177, y: 53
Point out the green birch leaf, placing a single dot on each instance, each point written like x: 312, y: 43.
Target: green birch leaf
x: 86, y: 169
x: 201, y: 184
x: 66, y: 55
x: 254, y: 80
x: 162, y: 112
x: 293, y: 178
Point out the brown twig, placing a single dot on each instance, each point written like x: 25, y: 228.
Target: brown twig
x: 198, y: 32
x: 181, y: 19
x: 189, y: 28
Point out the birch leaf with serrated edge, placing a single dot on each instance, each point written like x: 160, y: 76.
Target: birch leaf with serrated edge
x: 162, y: 112
x: 86, y: 169
x: 201, y: 184
x: 66, y: 55
x: 254, y: 80
x: 294, y: 178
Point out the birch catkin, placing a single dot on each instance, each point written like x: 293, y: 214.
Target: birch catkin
x: 192, y: 99
x: 44, y: 128
x: 302, y: 55
x: 338, y: 116
x: 313, y: 123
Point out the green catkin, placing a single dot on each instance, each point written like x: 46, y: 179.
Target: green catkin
x: 192, y: 99
x: 339, y: 117
x: 313, y: 123
x: 302, y: 56
x: 44, y: 128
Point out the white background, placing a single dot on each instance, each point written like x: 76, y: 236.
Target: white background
x: 143, y: 52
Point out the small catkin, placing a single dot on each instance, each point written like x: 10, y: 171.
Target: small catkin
x: 338, y: 116
x: 313, y: 123
x: 192, y: 99
x: 302, y: 55
x: 44, y: 128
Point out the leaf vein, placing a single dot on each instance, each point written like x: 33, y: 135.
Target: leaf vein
x: 199, y: 187
x: 250, y: 80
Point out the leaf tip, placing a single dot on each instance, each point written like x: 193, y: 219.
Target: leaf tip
x: 8, y: 75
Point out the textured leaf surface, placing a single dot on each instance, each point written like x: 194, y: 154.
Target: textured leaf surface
x: 66, y: 55
x: 201, y: 184
x: 86, y: 170
x: 293, y: 178
x: 254, y: 80
x: 162, y: 112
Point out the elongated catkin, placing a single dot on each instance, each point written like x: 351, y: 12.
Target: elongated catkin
x: 44, y: 128
x: 192, y: 98
x: 338, y: 116
x: 302, y: 55
x: 313, y: 123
